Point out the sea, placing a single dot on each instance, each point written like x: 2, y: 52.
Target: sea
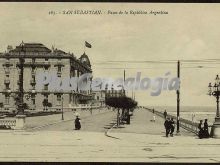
x: 192, y: 113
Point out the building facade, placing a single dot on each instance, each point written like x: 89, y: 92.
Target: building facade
x: 39, y: 59
x: 100, y: 96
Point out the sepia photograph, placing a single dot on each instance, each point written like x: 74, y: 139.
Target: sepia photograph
x: 109, y: 82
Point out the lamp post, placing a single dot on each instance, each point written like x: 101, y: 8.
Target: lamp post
x: 91, y: 108
x: 20, y: 117
x: 178, y: 101
x: 215, y: 91
x: 21, y: 88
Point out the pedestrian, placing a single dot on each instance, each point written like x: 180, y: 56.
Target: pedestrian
x: 201, y: 130
x: 206, y: 129
x: 154, y: 118
x: 77, y: 123
x: 167, y: 126
x: 193, y: 117
x: 172, y: 127
x: 118, y: 118
x: 165, y: 114
x: 128, y: 117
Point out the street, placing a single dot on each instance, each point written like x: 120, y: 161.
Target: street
x: 97, y: 121
x: 94, y: 122
x: 95, y: 146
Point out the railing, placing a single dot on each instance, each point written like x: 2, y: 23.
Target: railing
x: 7, y: 81
x: 184, y: 123
x: 32, y: 82
x: 86, y: 107
x: 70, y: 108
x: 7, y: 72
x: 36, y: 64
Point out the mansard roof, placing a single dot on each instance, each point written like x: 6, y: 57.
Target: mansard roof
x: 31, y: 47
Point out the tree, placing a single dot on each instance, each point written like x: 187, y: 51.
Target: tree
x: 49, y: 104
x: 124, y: 103
x: 46, y: 104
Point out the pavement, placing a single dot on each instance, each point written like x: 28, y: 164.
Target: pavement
x: 141, y: 123
x: 141, y: 141
x: 76, y: 146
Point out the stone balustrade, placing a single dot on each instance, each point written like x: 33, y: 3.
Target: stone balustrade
x: 8, y: 123
x: 17, y: 122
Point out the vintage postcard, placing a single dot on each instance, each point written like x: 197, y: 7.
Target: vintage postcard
x: 109, y: 82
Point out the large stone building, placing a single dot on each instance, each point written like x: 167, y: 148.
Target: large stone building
x: 38, y: 58
x: 100, y: 96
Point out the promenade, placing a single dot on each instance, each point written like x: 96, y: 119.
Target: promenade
x: 141, y: 123
x: 141, y: 141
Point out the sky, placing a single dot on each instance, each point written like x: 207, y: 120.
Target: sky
x: 187, y: 32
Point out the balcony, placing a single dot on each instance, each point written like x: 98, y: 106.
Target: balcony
x: 32, y: 82
x: 46, y: 63
x: 32, y: 90
x: 7, y: 64
x: 7, y: 81
x: 36, y: 64
x: 6, y: 91
x: 59, y: 63
x: 59, y: 74
x: 45, y: 92
x: 33, y: 73
x: 7, y: 72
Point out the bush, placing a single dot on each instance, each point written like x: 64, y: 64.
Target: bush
x: 4, y: 127
x: 26, y: 106
x: 43, y: 113
x: 49, y: 104
x: 1, y: 105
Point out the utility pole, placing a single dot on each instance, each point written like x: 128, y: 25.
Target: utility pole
x: 124, y: 84
x: 132, y: 96
x: 62, y: 108
x: 178, y: 99
x: 124, y: 75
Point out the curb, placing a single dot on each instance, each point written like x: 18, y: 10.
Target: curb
x: 108, y: 131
